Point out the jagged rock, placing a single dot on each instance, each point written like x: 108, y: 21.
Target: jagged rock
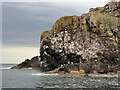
x: 112, y: 6
x: 90, y: 39
x: 25, y: 64
x: 33, y: 63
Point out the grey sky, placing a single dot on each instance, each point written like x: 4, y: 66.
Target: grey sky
x: 23, y: 22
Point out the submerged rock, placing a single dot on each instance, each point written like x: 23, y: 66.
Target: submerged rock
x: 91, y: 40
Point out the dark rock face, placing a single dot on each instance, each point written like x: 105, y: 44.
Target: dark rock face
x: 33, y: 63
x: 112, y: 6
x: 91, y: 40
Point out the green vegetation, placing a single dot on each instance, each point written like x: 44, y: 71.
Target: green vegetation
x: 67, y: 22
x: 44, y: 34
x: 95, y: 38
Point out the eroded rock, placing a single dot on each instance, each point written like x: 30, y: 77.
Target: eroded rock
x: 91, y: 40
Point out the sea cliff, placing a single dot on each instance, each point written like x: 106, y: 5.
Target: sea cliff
x: 89, y: 43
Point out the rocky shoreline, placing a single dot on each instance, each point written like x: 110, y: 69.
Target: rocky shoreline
x: 82, y: 73
x: 82, y: 45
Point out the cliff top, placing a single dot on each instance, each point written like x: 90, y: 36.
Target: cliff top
x: 110, y: 13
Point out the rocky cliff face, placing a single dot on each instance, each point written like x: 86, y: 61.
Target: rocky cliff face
x: 92, y: 39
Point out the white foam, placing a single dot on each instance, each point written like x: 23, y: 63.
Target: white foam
x: 104, y: 75
x: 6, y: 67
x: 43, y: 74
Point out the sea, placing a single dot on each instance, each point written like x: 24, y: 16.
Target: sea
x: 14, y: 79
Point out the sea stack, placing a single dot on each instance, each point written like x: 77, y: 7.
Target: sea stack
x: 90, y: 42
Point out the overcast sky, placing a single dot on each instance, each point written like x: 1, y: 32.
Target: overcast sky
x: 22, y: 24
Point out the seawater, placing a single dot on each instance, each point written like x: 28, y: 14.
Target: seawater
x: 30, y: 78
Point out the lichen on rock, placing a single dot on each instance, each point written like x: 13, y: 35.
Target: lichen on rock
x: 91, y: 40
